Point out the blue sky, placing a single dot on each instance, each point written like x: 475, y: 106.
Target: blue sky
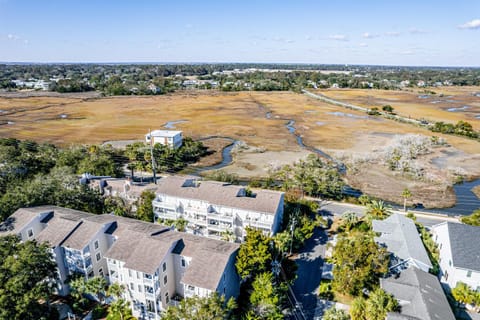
x: 444, y: 33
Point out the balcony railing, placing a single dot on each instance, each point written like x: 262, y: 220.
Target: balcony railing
x: 219, y: 227
x: 166, y: 215
x: 222, y: 217
x: 258, y: 223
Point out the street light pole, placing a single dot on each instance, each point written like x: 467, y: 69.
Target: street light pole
x: 151, y: 155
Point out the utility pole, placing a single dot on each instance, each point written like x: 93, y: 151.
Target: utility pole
x: 292, y: 228
x: 151, y: 155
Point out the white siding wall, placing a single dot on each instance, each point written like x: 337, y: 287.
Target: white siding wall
x: 450, y: 275
x: 238, y: 218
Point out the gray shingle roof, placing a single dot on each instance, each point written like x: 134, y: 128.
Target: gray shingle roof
x: 220, y: 193
x: 464, y: 244
x: 420, y: 296
x: 401, y: 237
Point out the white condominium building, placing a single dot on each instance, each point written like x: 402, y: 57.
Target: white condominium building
x: 157, y: 266
x: 214, y: 209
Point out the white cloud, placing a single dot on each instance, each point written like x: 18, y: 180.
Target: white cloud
x: 368, y: 35
x: 338, y: 37
x: 416, y: 31
x: 407, y: 52
x: 363, y: 44
x: 308, y: 37
x: 13, y: 37
x: 474, y: 24
x: 392, y: 34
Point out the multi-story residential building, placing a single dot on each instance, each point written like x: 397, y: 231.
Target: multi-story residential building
x: 459, y: 254
x: 169, y: 138
x: 214, y: 208
x: 156, y: 265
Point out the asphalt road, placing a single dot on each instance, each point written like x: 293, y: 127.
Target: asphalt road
x: 310, y: 262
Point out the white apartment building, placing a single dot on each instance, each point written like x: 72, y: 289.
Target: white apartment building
x: 169, y: 138
x: 214, y: 208
x: 459, y: 254
x: 157, y: 266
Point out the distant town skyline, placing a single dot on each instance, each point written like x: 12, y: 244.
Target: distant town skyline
x: 410, y: 33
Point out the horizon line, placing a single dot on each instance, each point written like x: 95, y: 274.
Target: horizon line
x: 230, y: 62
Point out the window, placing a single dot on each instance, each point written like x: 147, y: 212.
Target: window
x: 100, y: 272
x: 96, y: 244
x: 129, y: 273
x: 450, y: 263
x: 99, y: 256
x: 30, y: 233
x: 138, y: 275
x: 167, y: 298
x: 139, y: 288
x: 446, y: 276
x: 469, y: 273
x: 165, y: 280
x: 131, y: 286
x: 164, y: 266
x: 183, y: 262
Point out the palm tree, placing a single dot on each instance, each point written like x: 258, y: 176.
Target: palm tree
x: 349, y: 219
x: 406, y: 194
x: 378, y: 210
x: 96, y: 286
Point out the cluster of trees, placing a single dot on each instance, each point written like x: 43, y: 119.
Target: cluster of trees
x: 36, y: 174
x: 27, y: 272
x: 263, y: 292
x: 473, y: 219
x: 213, y: 307
x: 138, y: 79
x: 312, y: 176
x: 166, y: 159
x: 461, y: 128
x: 464, y: 294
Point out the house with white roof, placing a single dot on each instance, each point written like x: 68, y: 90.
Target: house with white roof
x: 157, y: 266
x: 171, y: 138
x: 400, y: 236
x: 214, y: 208
x: 459, y: 254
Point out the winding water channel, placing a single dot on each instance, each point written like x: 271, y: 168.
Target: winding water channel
x: 466, y: 200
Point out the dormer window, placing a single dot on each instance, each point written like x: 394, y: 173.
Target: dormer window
x: 30, y: 233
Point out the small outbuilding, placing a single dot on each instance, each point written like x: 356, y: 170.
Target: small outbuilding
x: 169, y: 138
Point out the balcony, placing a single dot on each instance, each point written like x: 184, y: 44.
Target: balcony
x: 220, y: 216
x: 197, y: 221
x: 166, y: 215
x: 219, y: 227
x: 258, y: 224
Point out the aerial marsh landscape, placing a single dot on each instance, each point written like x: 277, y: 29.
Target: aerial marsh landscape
x: 271, y: 126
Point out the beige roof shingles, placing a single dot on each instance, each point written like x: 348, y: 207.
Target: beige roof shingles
x: 220, y: 193
x: 141, y: 245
